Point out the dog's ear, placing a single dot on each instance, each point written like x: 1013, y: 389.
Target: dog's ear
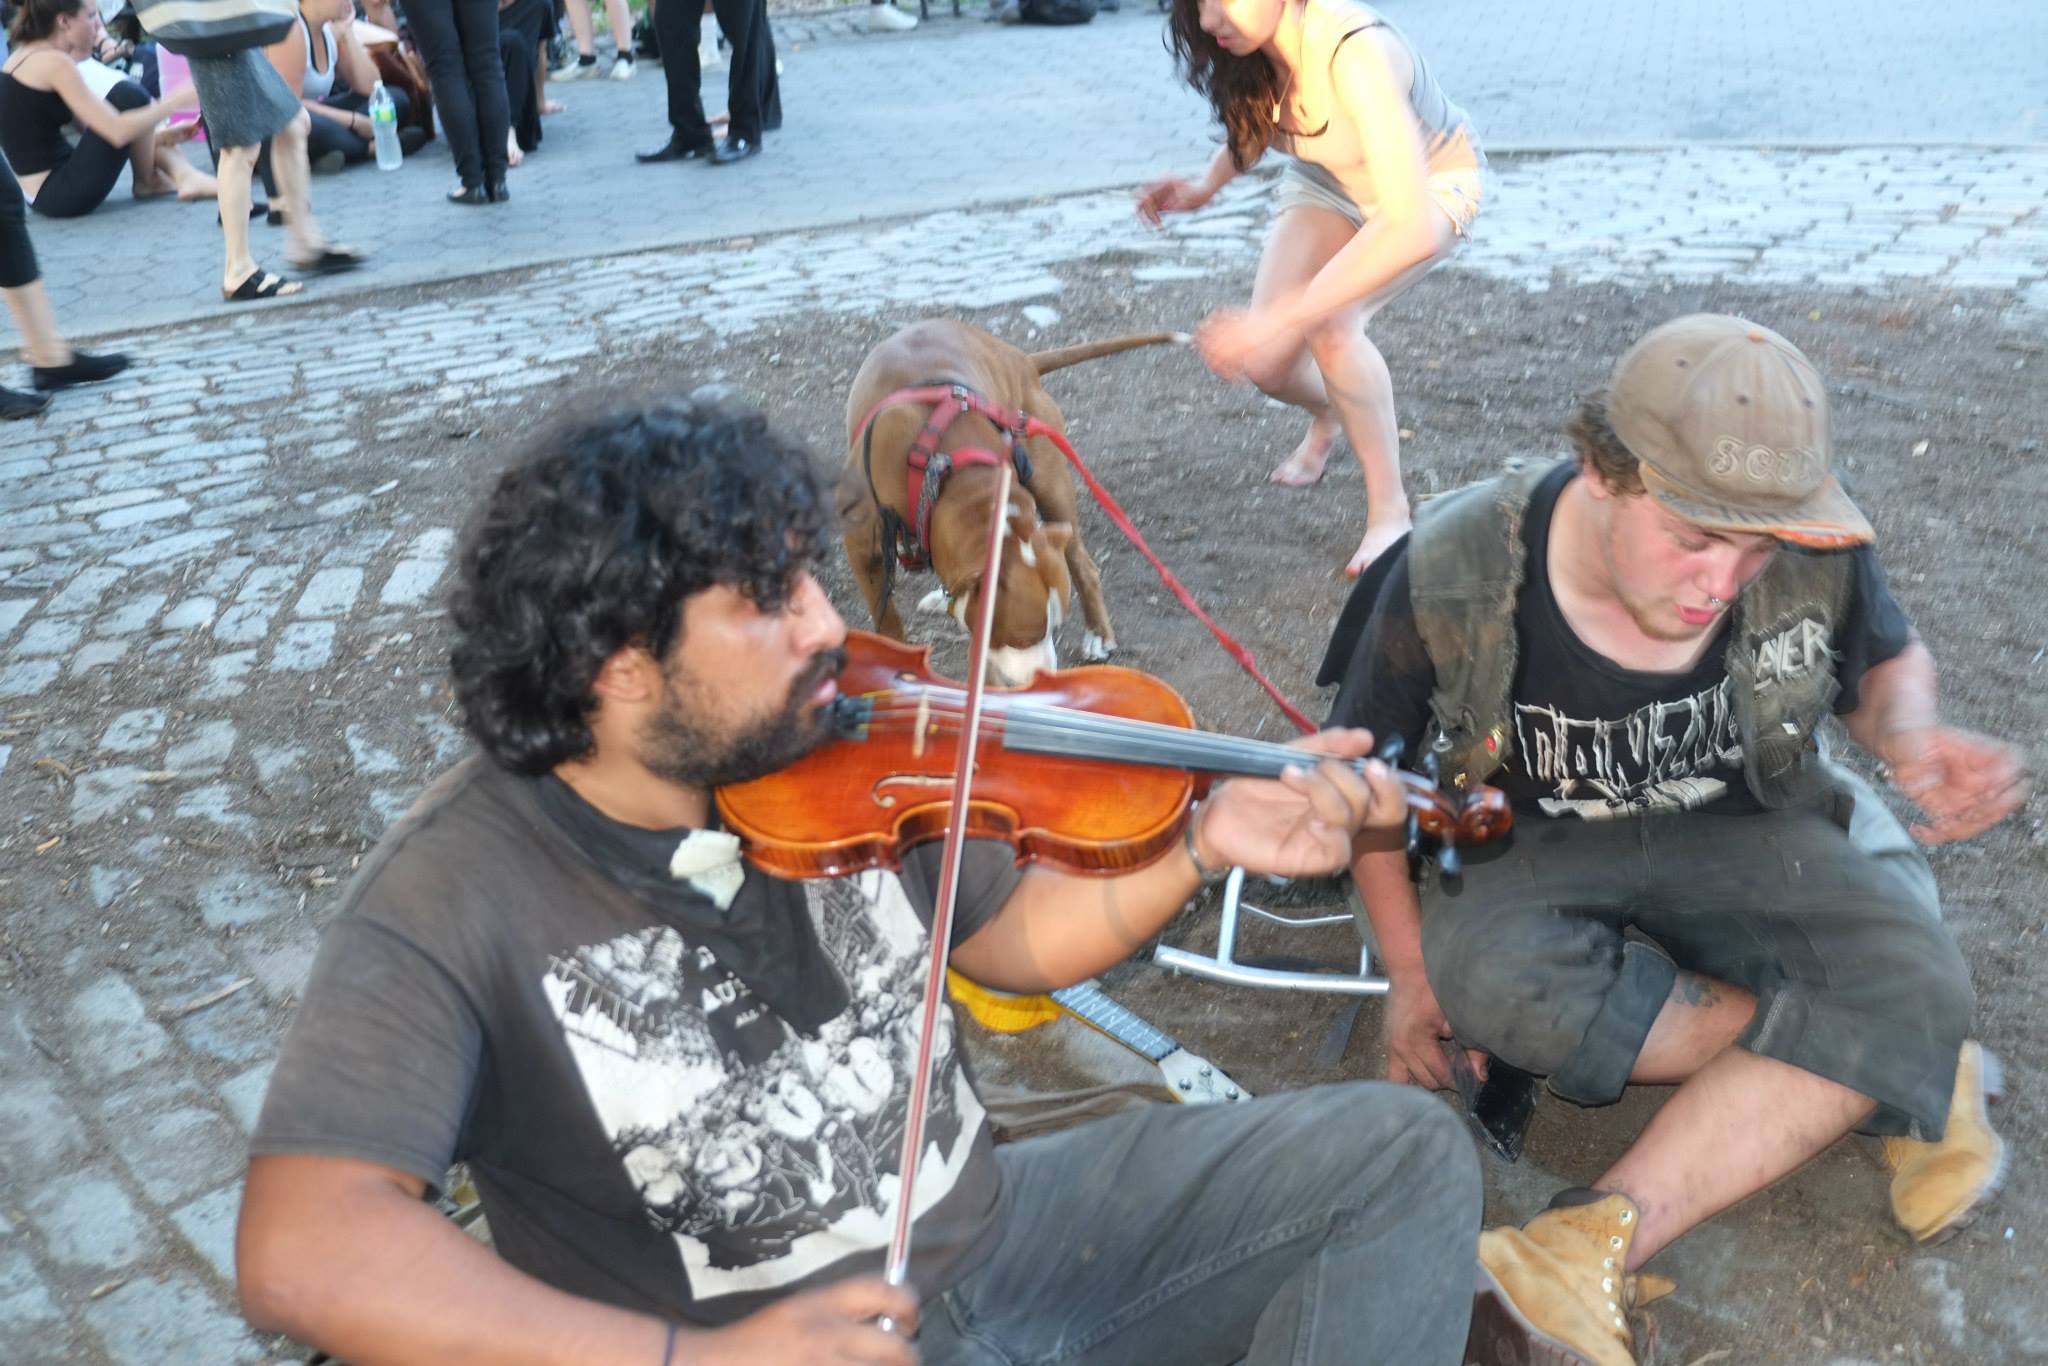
x: 1057, y: 535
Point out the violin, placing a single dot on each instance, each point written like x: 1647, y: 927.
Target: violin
x: 1091, y: 770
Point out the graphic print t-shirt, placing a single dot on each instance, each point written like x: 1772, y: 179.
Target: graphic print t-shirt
x: 642, y: 1127
x: 1592, y: 739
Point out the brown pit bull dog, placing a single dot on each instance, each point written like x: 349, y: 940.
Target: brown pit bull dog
x: 921, y: 475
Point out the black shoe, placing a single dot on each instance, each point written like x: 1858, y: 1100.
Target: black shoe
x: 469, y: 194
x: 85, y: 368
x: 730, y: 150
x: 499, y: 192
x: 675, y: 149
x: 15, y: 404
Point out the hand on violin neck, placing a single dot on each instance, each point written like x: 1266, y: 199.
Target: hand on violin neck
x: 1301, y: 824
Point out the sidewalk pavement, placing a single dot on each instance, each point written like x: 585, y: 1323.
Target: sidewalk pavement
x: 962, y: 113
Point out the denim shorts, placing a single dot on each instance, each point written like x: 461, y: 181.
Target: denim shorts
x: 1558, y: 947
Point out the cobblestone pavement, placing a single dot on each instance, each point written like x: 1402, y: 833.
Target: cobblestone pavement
x: 963, y: 113
x: 168, y: 536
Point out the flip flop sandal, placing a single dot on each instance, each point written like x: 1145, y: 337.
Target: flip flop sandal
x: 261, y: 284
x: 330, y: 261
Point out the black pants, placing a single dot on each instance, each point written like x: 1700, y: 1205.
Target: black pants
x: 17, y: 253
x: 753, y: 95
x: 332, y: 135
x: 459, y: 40
x: 522, y: 26
x: 83, y: 181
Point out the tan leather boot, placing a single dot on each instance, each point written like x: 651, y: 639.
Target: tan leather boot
x: 1939, y: 1188
x: 1556, y: 1290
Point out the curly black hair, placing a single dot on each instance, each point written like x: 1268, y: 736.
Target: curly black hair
x: 1242, y: 90
x: 591, y: 541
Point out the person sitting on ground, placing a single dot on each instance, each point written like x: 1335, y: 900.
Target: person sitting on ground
x: 1639, y: 647
x: 53, y: 362
x: 680, y: 1082
x: 522, y: 44
x: 333, y: 78
x: 42, y: 89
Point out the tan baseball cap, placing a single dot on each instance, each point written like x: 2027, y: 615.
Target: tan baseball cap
x: 1730, y: 423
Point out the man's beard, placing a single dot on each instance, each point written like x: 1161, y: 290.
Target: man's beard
x: 680, y: 748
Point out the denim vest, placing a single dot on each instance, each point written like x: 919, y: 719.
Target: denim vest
x: 1465, y: 567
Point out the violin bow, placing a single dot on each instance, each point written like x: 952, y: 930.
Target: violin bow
x: 898, y: 1265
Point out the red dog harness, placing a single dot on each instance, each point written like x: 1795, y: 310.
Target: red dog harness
x: 928, y: 466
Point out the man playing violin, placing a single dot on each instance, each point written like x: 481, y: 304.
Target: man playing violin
x: 1639, y: 646
x: 678, y: 1083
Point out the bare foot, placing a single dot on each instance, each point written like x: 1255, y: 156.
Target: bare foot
x: 156, y: 186
x: 552, y: 106
x: 199, y: 186
x: 1377, y: 538
x: 1305, y: 466
x: 513, y: 156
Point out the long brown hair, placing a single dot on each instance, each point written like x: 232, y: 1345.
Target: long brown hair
x: 35, y: 20
x: 1242, y: 90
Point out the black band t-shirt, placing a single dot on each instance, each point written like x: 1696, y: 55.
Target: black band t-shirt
x: 1591, y: 738
x: 680, y: 1093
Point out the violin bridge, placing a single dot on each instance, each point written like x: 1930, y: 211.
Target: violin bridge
x: 924, y: 718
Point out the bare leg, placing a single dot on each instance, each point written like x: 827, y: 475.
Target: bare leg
x: 513, y: 156
x: 294, y: 192
x: 145, y: 176
x: 188, y: 180
x: 622, y: 27
x: 1301, y: 243
x: 41, y: 343
x: 1737, y: 1123
x: 579, y: 27
x: 237, y: 165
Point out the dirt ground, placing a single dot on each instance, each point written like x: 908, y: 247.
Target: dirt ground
x: 1940, y: 423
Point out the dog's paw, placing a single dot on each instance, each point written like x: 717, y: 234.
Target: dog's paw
x: 934, y: 601
x: 1094, y: 649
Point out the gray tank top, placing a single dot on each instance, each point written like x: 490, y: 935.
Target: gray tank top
x: 1437, y: 119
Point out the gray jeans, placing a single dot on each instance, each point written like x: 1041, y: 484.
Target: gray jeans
x: 1332, y: 1225
x: 1832, y: 921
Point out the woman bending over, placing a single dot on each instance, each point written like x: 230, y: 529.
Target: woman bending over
x: 1381, y: 182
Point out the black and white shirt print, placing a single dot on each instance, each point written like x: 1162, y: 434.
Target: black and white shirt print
x: 766, y: 1155
x: 1660, y: 757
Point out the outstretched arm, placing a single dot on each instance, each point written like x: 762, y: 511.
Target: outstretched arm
x: 1964, y: 782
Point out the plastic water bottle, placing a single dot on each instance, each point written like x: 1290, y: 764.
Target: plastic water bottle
x: 384, y: 119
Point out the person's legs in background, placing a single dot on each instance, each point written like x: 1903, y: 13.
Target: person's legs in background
x: 440, y: 43
x: 884, y: 17
x: 745, y: 24
x: 476, y: 22
x: 677, y: 27
x: 55, y: 362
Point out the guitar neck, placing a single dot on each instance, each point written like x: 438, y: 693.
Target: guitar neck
x: 1091, y: 1005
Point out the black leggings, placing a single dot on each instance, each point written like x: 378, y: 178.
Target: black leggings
x: 459, y: 40
x: 17, y: 253
x: 331, y: 135
x: 82, y: 182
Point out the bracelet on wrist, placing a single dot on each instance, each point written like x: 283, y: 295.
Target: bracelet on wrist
x: 1209, y: 876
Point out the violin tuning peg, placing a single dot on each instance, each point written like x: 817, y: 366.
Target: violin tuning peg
x: 1391, y: 751
x: 1414, y: 835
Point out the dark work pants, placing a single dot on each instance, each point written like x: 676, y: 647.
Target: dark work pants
x: 459, y: 40
x: 753, y: 95
x: 1327, y: 1227
x: 84, y: 181
x: 17, y: 253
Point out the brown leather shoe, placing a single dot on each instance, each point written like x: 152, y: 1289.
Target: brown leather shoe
x: 1556, y: 1291
x: 1939, y: 1188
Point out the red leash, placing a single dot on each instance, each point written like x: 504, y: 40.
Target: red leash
x: 951, y: 400
x: 1243, y: 656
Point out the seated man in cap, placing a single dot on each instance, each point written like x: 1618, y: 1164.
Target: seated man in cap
x: 1639, y: 647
